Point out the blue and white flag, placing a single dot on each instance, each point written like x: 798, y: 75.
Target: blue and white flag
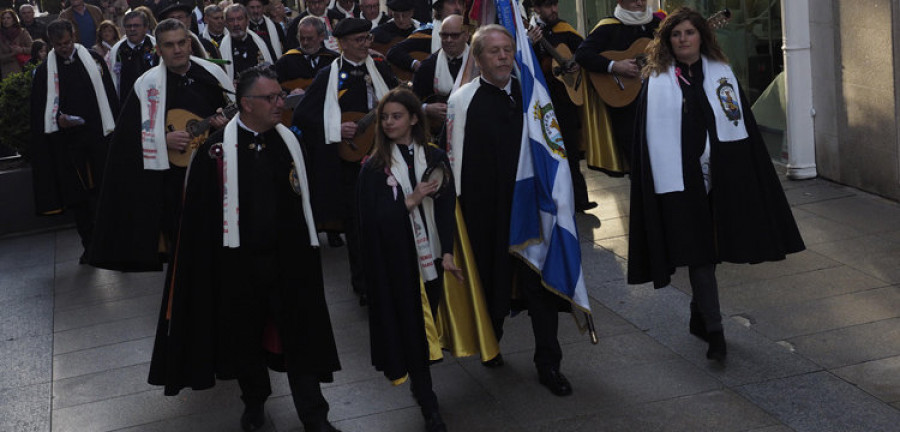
x: 542, y: 226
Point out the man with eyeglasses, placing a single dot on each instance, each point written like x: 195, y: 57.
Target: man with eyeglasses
x: 247, y: 292
x: 354, y: 83
x: 242, y: 48
x: 133, y: 55
x: 440, y: 72
x: 425, y: 41
x: 318, y: 9
x: 308, y: 59
x: 371, y: 10
x: 545, y: 24
x: 264, y: 27
x: 139, y: 207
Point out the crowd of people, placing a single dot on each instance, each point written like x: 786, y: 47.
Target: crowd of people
x: 217, y: 141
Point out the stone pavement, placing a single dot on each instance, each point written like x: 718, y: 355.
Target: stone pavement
x: 814, y: 342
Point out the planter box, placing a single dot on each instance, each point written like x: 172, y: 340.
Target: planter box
x: 17, y: 205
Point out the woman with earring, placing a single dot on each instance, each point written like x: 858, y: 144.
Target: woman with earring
x: 703, y: 187
x: 407, y: 228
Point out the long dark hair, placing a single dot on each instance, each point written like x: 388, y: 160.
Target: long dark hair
x: 659, y: 52
x: 381, y: 152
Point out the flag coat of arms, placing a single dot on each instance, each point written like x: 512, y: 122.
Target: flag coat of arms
x: 542, y: 227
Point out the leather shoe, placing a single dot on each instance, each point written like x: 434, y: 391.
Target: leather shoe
x: 434, y: 423
x: 494, y: 362
x: 324, y: 426
x: 697, y: 327
x: 583, y: 207
x: 253, y: 418
x: 554, y: 380
x: 717, y: 348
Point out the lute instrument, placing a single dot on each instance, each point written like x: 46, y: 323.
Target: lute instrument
x: 353, y: 150
x: 196, y: 126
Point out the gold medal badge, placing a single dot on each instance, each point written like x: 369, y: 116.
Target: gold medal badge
x: 294, y: 179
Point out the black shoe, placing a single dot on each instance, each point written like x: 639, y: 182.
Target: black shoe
x: 434, y: 423
x: 717, y: 349
x: 583, y: 207
x: 696, y: 325
x: 253, y: 418
x: 494, y: 362
x: 323, y: 426
x: 554, y: 380
x: 335, y: 240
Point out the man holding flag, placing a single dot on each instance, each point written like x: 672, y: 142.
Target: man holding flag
x: 515, y: 192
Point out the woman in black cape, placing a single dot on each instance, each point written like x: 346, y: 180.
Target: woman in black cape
x: 393, y: 198
x: 703, y: 187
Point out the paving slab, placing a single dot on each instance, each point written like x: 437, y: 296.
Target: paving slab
x: 821, y: 402
x: 877, y: 255
x: 93, y: 360
x: 104, y: 385
x: 107, y: 312
x: 25, y: 408
x: 851, y: 345
x: 26, y: 361
x: 879, y: 378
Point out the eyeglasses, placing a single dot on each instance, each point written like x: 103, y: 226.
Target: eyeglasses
x: 363, y: 39
x: 448, y: 35
x: 271, y: 98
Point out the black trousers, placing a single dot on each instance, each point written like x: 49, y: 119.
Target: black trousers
x: 544, y: 317
x: 574, y: 155
x: 312, y: 408
x: 705, y: 298
x: 349, y: 176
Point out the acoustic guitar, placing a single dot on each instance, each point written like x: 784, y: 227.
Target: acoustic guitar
x: 302, y: 83
x: 561, y: 61
x: 353, y: 150
x: 184, y: 120
x: 617, y: 90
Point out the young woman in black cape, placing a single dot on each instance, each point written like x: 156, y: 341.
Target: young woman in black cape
x: 393, y: 199
x: 703, y: 188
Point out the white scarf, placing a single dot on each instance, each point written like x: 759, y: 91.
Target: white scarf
x: 427, y: 246
x: 633, y: 18
x: 443, y: 79
x: 51, y: 109
x: 115, y: 67
x: 231, y: 235
x: 436, y: 35
x: 457, y: 107
x: 273, y: 36
x: 663, y: 128
x: 225, y: 50
x: 332, y: 110
x: 150, y: 89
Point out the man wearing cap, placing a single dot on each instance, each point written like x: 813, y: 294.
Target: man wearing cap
x: 354, y: 83
x: 546, y: 24
x: 133, y: 55
x: 214, y: 17
x: 73, y: 108
x: 247, y: 292
x: 439, y: 73
x: 425, y: 40
x: 632, y: 20
x: 318, y: 9
x: 311, y: 56
x: 142, y: 201
x: 264, y: 27
x: 400, y: 26
x: 242, y: 48
x: 181, y: 10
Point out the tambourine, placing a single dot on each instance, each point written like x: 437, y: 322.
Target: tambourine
x: 439, y: 171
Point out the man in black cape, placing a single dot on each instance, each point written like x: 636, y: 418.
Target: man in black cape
x: 247, y: 292
x: 318, y: 9
x: 485, y: 120
x: 133, y: 55
x: 433, y: 87
x: 138, y: 212
x: 419, y: 41
x: 70, y: 136
x: 356, y: 90
x: 305, y: 61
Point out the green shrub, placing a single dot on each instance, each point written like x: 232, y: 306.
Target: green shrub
x: 15, y: 110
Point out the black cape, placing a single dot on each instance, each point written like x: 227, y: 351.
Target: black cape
x: 396, y: 320
x: 68, y: 164
x: 136, y: 205
x: 745, y: 219
x: 294, y: 64
x: 222, y: 299
x: 326, y: 170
